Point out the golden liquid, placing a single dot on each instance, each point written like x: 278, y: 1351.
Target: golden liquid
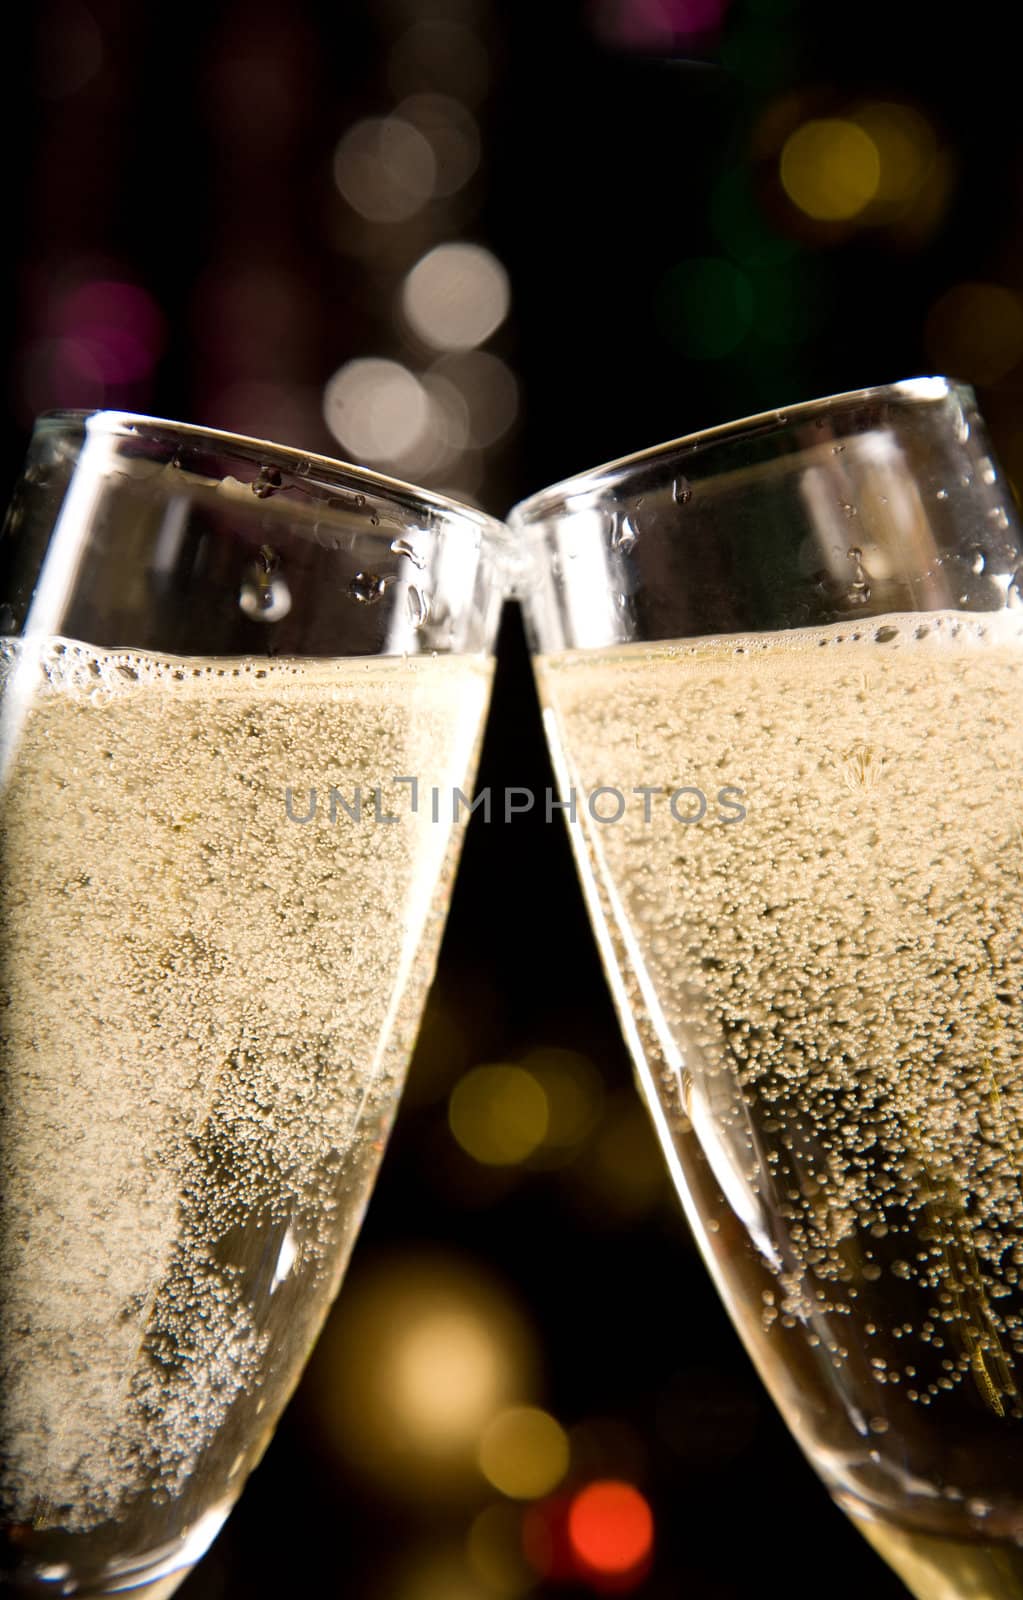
x: 940, y: 1568
x: 208, y: 1011
x: 826, y: 999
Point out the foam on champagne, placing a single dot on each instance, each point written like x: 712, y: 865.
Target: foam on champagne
x: 208, y: 1011
x: 835, y: 984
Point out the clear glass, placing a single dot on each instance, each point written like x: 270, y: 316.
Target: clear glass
x: 230, y: 676
x: 781, y: 666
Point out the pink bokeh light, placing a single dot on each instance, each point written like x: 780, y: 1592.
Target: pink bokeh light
x: 118, y: 323
x: 657, y: 24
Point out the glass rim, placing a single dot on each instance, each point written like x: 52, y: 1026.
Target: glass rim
x: 556, y: 496
x: 339, y: 473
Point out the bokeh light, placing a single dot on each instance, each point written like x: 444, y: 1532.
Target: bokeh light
x: 418, y: 1359
x: 385, y: 168
x: 607, y: 1447
x: 975, y: 332
x: 498, y: 1114
x: 102, y: 341
x: 287, y: 413
x: 440, y: 57
x: 545, y: 1539
x: 489, y: 389
x: 118, y: 323
x: 452, y: 133
x: 906, y: 146
x: 621, y: 1169
x: 456, y: 296
x: 429, y: 1572
x: 574, y: 1092
x: 830, y: 169
x: 705, y: 307
x: 524, y: 1452
x: 376, y: 409
x: 70, y: 50
x: 656, y: 24
x: 494, y: 1551
x: 611, y: 1528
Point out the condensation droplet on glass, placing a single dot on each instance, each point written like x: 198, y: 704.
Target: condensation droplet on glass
x: 858, y: 592
x: 681, y: 491
x: 902, y: 1269
x: 848, y: 509
x: 402, y: 547
x: 978, y: 561
x: 998, y: 516
x: 836, y: 449
x: 621, y: 600
x: 366, y: 588
x: 267, y: 483
x: 942, y: 494
x: 624, y: 534
x: 1014, y: 593
x: 885, y: 635
x: 878, y: 1424
x: 265, y: 599
x: 987, y: 470
x: 360, y: 500
x: 418, y: 606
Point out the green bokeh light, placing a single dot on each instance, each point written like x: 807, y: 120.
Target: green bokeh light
x: 705, y: 307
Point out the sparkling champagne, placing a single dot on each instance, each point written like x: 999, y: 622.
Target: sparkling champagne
x: 811, y: 908
x: 217, y: 933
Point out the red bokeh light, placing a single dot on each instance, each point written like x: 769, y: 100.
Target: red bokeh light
x: 611, y: 1529
x: 602, y: 1536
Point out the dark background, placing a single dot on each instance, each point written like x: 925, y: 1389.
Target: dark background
x: 666, y: 274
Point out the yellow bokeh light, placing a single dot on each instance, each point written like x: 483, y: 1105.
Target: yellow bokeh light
x: 975, y: 330
x: 446, y: 1375
x: 439, y: 1573
x: 419, y: 1357
x: 574, y: 1092
x: 493, y: 1549
x: 524, y: 1453
x: 906, y: 147
x: 498, y: 1114
x: 830, y: 169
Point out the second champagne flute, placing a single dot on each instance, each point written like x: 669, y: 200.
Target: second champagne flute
x: 781, y: 665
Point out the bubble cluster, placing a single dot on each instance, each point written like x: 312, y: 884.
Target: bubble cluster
x: 208, y: 1015
x: 836, y: 989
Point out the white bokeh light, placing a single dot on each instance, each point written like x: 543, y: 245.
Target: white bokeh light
x: 456, y: 296
x: 489, y: 390
x: 377, y: 410
x: 453, y: 136
x: 385, y: 168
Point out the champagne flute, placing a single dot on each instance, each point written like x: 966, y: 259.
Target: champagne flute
x: 781, y: 666
x: 234, y: 678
